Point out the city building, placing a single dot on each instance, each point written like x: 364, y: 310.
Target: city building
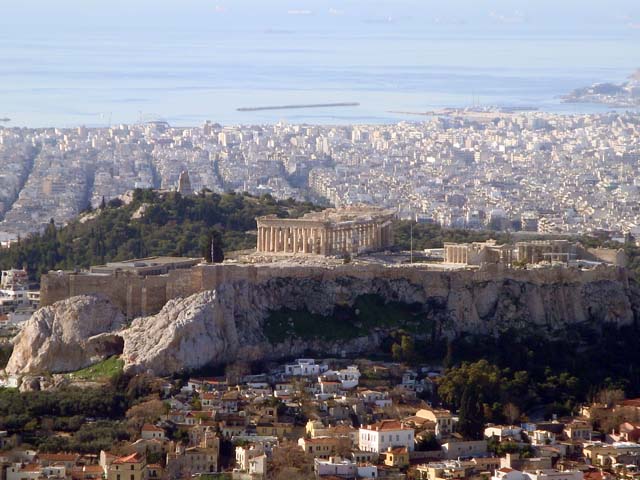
x: 385, y: 434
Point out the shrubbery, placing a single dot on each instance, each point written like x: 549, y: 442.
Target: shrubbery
x: 170, y: 225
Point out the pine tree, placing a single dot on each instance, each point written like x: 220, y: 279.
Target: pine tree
x: 212, y: 247
x: 471, y: 421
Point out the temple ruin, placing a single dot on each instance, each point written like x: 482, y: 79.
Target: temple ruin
x: 351, y: 230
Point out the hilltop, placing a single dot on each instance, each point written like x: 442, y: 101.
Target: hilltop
x: 152, y: 223
x: 148, y: 223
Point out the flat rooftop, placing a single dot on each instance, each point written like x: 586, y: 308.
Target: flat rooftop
x: 147, y: 266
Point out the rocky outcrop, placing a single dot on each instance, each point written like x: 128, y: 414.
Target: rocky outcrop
x: 228, y: 323
x: 67, y: 336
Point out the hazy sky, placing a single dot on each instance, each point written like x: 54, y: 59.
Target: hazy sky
x: 148, y: 13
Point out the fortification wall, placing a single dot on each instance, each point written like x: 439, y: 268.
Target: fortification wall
x: 138, y: 296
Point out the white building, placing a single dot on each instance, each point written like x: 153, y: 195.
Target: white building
x: 547, y: 474
x: 305, y: 367
x: 34, y: 471
x: 379, y: 399
x: 464, y: 449
x: 150, y: 432
x: 244, y: 456
x: 385, y: 434
x: 542, y: 437
x: 348, y: 377
x: 340, y: 467
x: 258, y: 466
x: 502, y: 431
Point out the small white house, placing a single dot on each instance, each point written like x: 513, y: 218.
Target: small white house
x: 304, y: 367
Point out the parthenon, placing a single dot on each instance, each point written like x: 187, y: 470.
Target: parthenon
x: 351, y: 230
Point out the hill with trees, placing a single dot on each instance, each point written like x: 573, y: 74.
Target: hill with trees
x: 204, y: 225
x: 152, y: 223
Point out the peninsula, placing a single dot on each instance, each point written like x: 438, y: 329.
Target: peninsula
x: 623, y: 95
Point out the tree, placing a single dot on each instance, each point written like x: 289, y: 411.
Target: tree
x: 408, y: 348
x: 447, y: 362
x: 427, y: 442
x: 396, y: 352
x: 471, y: 423
x: 290, y: 461
x: 145, y: 412
x: 609, y: 396
x: 511, y: 412
x: 212, y: 247
x: 234, y: 371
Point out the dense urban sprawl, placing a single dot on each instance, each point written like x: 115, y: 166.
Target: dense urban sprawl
x: 531, y: 171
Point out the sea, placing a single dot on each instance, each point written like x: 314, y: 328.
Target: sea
x: 97, y: 73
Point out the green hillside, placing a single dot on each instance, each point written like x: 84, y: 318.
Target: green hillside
x: 166, y: 223
x: 152, y: 224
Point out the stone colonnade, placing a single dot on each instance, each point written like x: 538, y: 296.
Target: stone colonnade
x: 477, y: 253
x: 321, y: 238
x: 537, y: 251
x: 456, y: 253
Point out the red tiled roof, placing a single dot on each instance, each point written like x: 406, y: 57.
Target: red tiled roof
x: 32, y: 467
x: 151, y: 428
x: 320, y: 440
x: 88, y: 469
x: 133, y: 458
x: 384, y: 425
x: 58, y: 457
x: 399, y: 450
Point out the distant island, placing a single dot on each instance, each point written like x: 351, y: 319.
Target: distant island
x: 623, y: 95
x: 288, y: 107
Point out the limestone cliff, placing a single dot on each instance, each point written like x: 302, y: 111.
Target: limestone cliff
x: 279, y: 316
x: 67, y: 336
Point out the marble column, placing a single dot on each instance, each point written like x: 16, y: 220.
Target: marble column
x: 314, y: 240
x: 265, y: 239
x: 334, y: 241
x: 323, y: 241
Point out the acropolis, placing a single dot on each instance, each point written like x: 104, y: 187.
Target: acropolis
x: 350, y: 230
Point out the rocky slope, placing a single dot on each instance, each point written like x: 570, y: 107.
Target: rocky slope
x: 233, y: 321
x: 67, y: 336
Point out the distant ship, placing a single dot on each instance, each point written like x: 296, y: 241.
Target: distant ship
x: 5, y: 119
x: 287, y: 107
